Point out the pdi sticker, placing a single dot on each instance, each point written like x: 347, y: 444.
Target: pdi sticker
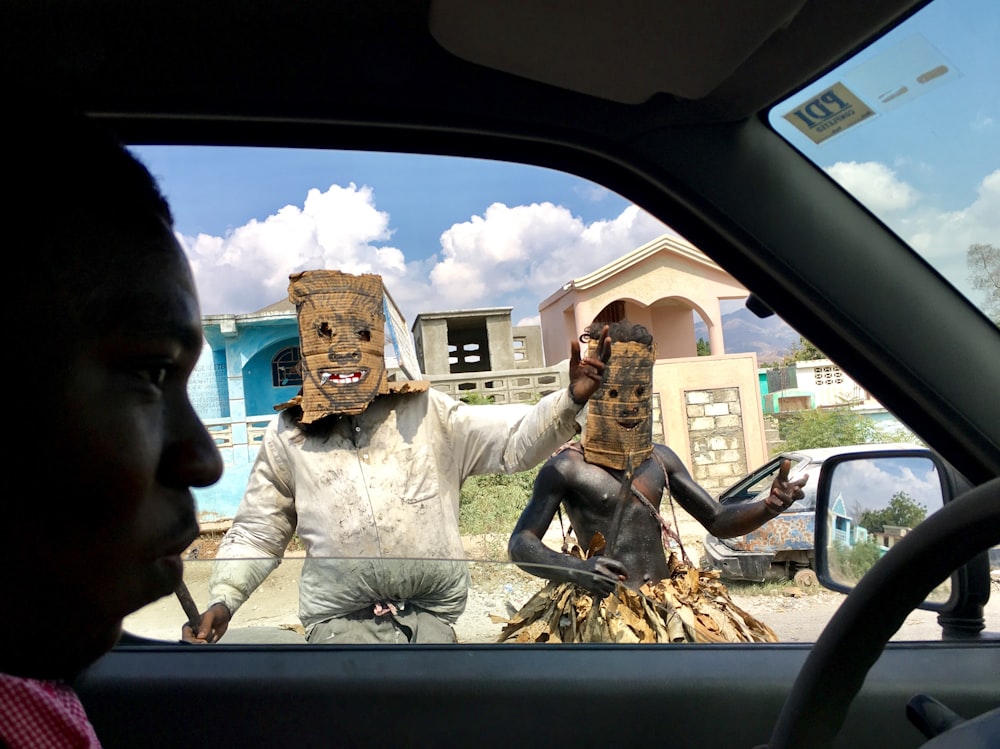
x: 829, y: 112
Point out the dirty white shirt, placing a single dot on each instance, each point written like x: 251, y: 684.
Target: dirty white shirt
x: 381, y: 486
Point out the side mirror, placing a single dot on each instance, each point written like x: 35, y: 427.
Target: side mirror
x: 865, y: 502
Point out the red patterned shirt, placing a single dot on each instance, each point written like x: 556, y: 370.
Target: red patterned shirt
x: 37, y: 714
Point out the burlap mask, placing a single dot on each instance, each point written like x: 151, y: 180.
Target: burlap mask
x: 620, y: 413
x: 342, y: 340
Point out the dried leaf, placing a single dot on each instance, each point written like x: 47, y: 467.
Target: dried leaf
x: 597, y: 544
x: 691, y: 605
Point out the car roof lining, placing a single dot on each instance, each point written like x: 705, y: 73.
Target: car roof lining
x: 615, y: 50
x: 385, y: 60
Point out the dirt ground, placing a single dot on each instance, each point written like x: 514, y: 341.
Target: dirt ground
x: 498, y: 590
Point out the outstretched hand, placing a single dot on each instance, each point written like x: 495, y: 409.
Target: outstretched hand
x: 586, y: 373
x: 214, y: 624
x: 783, y: 491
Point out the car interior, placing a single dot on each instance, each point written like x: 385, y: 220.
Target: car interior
x: 744, y: 128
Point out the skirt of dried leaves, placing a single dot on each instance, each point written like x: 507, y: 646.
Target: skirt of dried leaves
x: 690, y: 605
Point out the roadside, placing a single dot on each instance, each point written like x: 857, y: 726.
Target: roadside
x: 500, y: 588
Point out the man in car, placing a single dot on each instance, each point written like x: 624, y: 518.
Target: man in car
x: 368, y: 472
x: 611, y: 483
x: 113, y: 330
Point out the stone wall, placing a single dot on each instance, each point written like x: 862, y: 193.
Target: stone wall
x: 715, y: 430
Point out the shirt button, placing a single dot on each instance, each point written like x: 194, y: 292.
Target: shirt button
x: 366, y: 456
x: 357, y: 429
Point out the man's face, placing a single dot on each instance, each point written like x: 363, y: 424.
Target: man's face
x: 119, y: 448
x: 619, y: 414
x: 342, y: 339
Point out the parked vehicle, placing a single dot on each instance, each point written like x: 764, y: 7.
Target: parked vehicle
x: 750, y: 129
x: 782, y: 548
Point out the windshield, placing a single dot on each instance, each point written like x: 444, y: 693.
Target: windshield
x: 910, y: 126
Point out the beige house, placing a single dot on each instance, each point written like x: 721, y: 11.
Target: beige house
x: 709, y: 405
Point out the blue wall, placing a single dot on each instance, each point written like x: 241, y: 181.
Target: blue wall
x: 232, y: 393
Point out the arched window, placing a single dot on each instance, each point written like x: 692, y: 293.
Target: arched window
x: 285, y: 371
x: 614, y: 312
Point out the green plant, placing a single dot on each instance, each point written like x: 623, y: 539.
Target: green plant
x: 850, y: 563
x: 832, y: 427
x: 477, y: 399
x: 493, y: 502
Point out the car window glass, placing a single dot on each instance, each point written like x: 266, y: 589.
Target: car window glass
x: 750, y: 488
x: 488, y: 240
x: 910, y: 126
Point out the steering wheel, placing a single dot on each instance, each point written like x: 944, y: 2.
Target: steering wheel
x: 854, y: 638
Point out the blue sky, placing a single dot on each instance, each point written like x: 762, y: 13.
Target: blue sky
x: 928, y: 161
x: 444, y: 232
x: 449, y: 233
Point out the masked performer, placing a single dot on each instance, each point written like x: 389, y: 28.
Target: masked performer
x: 611, y: 483
x: 368, y: 472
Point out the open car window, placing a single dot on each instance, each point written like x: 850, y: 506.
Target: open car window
x: 508, y: 260
x: 761, y: 479
x: 466, y: 239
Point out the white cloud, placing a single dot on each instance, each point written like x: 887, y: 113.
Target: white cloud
x: 983, y: 123
x: 875, y: 185
x: 507, y: 256
x: 591, y: 192
x: 249, y: 267
x: 944, y: 237
x: 531, y: 249
x: 871, y: 484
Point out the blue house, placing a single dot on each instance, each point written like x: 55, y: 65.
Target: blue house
x: 247, y: 367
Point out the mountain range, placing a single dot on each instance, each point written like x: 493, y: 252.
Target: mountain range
x: 771, y: 337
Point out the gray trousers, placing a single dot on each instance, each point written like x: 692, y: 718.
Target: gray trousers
x: 410, y: 625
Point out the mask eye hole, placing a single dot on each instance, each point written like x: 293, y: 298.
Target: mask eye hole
x: 364, y: 335
x: 324, y: 330
x: 640, y: 391
x: 613, y: 393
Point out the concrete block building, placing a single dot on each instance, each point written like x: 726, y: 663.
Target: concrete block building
x: 478, y: 351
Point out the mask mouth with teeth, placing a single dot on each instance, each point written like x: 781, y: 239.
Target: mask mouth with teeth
x: 620, y: 413
x: 342, y: 341
x: 350, y: 377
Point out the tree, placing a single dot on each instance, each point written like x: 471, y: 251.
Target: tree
x: 703, y: 348
x: 902, y: 511
x: 826, y: 427
x: 804, y: 351
x: 983, y: 261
